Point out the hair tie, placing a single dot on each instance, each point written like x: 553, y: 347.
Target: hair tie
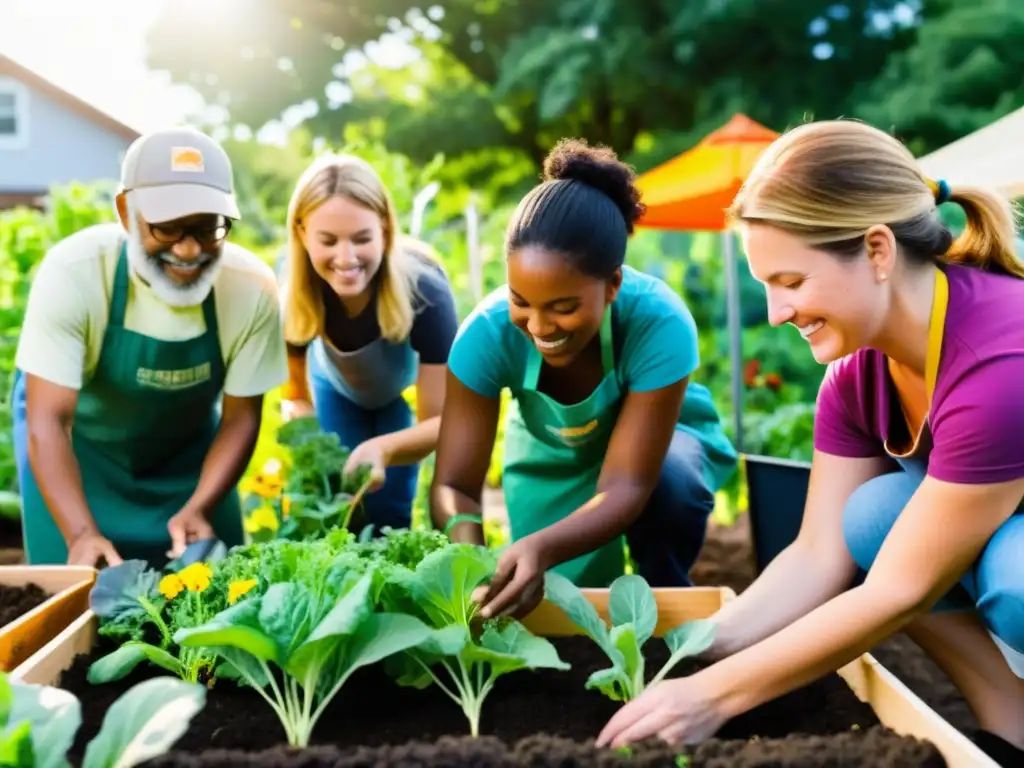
x: 940, y: 189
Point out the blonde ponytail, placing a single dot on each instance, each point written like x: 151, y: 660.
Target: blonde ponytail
x: 989, y: 241
x: 829, y: 182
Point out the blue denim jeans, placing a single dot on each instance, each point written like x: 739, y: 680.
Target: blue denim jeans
x: 993, y: 585
x: 666, y: 539
x: 20, y: 433
x: 390, y: 505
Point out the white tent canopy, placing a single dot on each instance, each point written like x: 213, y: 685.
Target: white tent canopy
x: 992, y: 156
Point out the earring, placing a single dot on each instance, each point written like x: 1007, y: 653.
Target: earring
x: 882, y: 277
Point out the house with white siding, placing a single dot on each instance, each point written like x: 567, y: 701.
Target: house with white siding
x: 49, y: 136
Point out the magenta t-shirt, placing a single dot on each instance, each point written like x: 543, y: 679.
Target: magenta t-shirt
x: 977, y: 410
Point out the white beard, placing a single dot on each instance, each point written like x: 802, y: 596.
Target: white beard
x: 150, y: 270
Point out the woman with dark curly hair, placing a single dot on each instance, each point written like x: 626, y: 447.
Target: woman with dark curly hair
x: 606, y: 436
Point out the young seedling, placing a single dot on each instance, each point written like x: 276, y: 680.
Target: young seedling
x: 634, y: 615
x: 465, y: 660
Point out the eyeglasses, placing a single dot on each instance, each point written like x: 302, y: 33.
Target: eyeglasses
x: 206, y: 234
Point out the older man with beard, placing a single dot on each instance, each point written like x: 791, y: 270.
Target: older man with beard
x: 146, y: 350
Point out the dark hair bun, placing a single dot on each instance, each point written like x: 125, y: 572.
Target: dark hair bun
x: 598, y: 167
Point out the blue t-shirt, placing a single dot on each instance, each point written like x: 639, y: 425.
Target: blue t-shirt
x: 655, y: 343
x: 654, y: 333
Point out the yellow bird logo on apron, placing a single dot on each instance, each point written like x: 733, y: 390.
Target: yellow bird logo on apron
x: 574, y: 435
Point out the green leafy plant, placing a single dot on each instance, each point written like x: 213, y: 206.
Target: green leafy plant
x: 311, y: 496
x: 38, y: 724
x: 466, y: 658
x: 317, y: 632
x: 634, y: 616
x: 142, y: 608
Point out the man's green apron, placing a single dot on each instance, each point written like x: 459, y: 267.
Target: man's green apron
x: 143, y: 426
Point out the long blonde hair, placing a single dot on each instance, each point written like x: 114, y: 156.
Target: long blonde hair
x: 828, y: 182
x: 351, y: 177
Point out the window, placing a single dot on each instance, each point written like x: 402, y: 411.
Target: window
x: 13, y: 114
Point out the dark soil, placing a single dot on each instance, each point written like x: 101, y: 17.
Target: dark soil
x: 536, y: 719
x: 11, y: 542
x: 727, y: 560
x: 17, y: 601
x: 10, y: 532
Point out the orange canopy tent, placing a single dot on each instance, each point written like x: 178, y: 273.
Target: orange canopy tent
x: 692, y: 193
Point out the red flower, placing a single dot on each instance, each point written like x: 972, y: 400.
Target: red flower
x: 750, y: 371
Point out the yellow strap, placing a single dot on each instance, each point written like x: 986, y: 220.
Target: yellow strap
x: 936, y: 327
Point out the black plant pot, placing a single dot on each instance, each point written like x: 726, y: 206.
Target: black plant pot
x: 776, y: 493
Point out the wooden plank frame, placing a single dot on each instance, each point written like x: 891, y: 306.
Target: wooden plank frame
x: 69, y: 588
x: 895, y: 705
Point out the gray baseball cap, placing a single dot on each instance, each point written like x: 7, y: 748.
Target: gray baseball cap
x: 178, y: 172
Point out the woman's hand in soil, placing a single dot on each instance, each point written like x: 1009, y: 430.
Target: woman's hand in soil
x: 679, y: 711
x: 90, y: 549
x: 518, y: 583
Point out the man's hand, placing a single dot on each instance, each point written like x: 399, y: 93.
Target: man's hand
x: 680, y: 711
x: 90, y: 548
x: 375, y: 453
x: 518, y: 584
x: 187, y: 527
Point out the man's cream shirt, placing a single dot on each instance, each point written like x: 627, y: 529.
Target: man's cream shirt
x: 69, y: 307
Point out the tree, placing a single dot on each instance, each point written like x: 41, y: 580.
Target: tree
x: 519, y: 74
x: 961, y: 73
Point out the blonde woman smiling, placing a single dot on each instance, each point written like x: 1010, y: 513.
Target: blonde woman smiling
x: 914, y: 513
x: 368, y: 312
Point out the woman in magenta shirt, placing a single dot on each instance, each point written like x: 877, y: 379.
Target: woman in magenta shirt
x: 913, y: 517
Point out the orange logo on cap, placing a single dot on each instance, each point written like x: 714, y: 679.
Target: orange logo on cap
x: 186, y: 159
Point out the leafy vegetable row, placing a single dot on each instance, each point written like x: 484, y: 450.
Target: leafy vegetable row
x: 294, y: 621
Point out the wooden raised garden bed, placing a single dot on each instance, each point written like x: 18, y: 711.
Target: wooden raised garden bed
x: 540, y: 718
x: 36, y: 604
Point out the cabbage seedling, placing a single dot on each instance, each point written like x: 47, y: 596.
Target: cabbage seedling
x: 634, y: 615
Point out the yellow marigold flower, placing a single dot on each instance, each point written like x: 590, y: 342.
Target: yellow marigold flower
x: 238, y: 588
x: 196, y: 577
x: 261, y: 517
x: 171, y: 586
x: 267, y: 488
x: 286, y: 505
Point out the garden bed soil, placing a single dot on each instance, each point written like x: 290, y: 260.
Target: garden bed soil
x: 10, y: 533
x: 728, y: 560
x: 17, y: 601
x: 11, y: 544
x: 536, y: 719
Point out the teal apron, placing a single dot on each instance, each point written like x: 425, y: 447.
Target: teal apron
x: 553, y: 458
x: 143, y: 426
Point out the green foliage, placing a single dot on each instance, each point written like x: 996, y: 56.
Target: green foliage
x: 25, y: 237
x: 320, y: 610
x: 316, y: 633
x: 464, y: 660
x: 961, y: 73
x: 519, y: 76
x: 306, y: 495
x: 141, y: 609
x: 634, y: 617
x: 38, y: 723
